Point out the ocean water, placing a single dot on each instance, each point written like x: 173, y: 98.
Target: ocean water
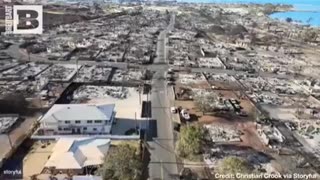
x: 305, y: 11
x: 311, y: 18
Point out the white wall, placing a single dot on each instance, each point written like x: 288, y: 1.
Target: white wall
x: 84, y: 127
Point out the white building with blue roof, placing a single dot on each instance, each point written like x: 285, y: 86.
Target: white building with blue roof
x: 78, y: 119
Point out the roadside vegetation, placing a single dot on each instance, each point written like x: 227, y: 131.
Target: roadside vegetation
x: 232, y: 165
x: 122, y: 162
x: 191, y: 142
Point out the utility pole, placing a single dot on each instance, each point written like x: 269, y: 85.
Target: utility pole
x: 140, y: 94
x: 146, y: 129
x: 161, y: 170
x: 135, y: 120
x: 77, y: 72
x: 28, y: 55
x: 10, y: 142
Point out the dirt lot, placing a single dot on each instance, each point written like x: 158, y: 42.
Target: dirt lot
x: 36, y: 158
x: 17, y: 134
x: 197, y: 115
x: 244, y: 102
x: 201, y: 82
x: 244, y: 124
x: 200, y: 85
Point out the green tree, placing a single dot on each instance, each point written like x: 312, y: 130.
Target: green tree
x: 233, y: 165
x: 190, y: 141
x: 122, y: 163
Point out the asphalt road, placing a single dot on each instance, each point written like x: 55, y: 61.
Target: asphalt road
x: 163, y: 163
x: 161, y: 48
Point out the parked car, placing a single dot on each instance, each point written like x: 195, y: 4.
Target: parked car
x: 173, y: 110
x: 185, y: 114
x: 290, y: 126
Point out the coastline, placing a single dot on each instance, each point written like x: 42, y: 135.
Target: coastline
x: 309, y: 18
x: 299, y: 6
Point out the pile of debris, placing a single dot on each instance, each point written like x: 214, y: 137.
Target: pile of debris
x: 308, y: 129
x: 127, y: 75
x: 184, y: 93
x: 90, y: 92
x: 191, y: 78
x: 7, y: 121
x: 222, y: 134
x: 209, y: 101
x: 61, y: 72
x: 93, y: 73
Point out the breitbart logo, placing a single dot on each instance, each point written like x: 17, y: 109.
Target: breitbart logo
x: 24, y: 19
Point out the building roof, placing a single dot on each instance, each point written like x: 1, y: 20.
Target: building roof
x: 80, y: 112
x: 76, y: 153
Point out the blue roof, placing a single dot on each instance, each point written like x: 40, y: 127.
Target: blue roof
x: 107, y: 109
x: 76, y: 144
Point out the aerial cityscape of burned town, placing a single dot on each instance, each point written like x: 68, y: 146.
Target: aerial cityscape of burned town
x: 160, y: 90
